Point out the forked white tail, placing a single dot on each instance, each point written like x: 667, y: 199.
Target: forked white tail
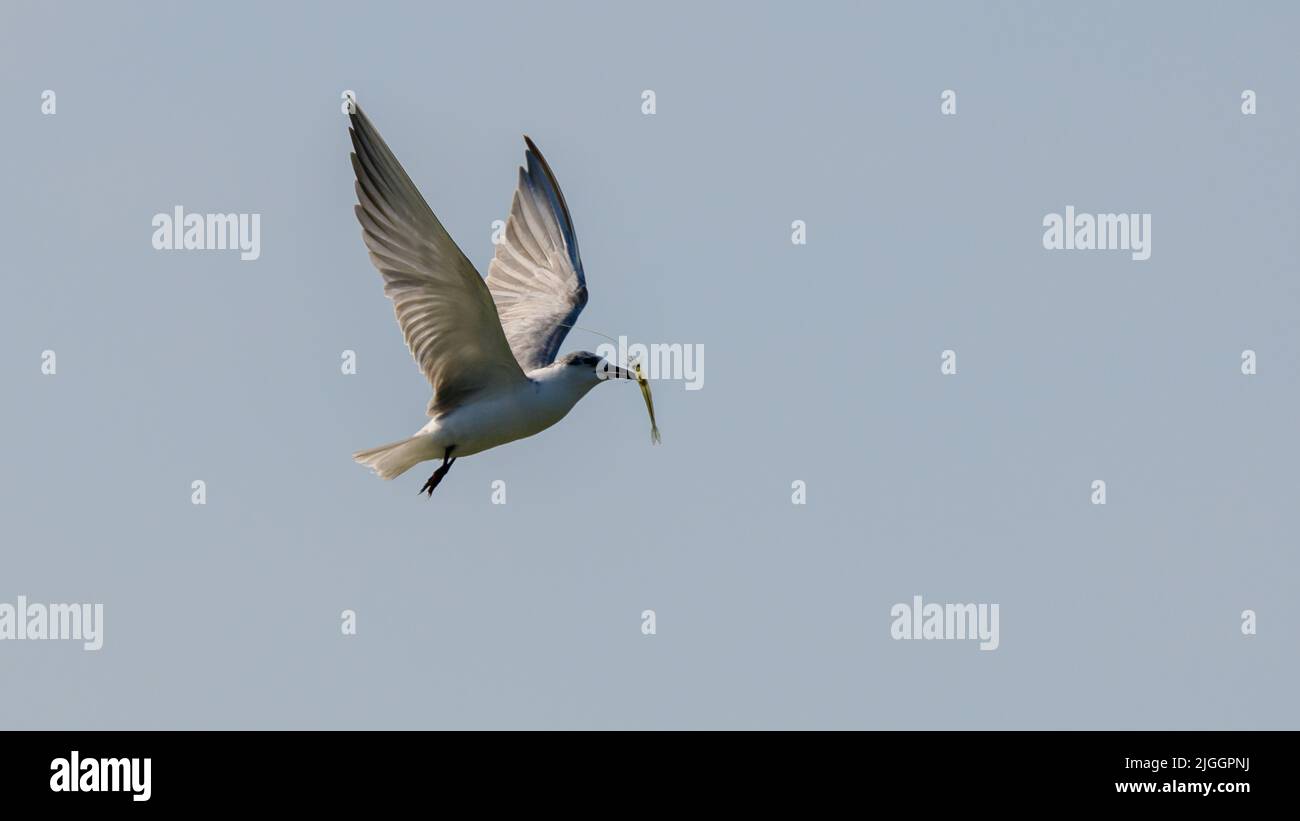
x: 392, y: 460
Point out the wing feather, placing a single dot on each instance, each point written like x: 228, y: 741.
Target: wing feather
x: 536, y: 277
x: 443, y: 306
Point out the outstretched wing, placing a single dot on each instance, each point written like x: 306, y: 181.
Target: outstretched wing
x: 442, y: 304
x: 536, y: 276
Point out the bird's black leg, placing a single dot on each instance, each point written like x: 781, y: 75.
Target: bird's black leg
x: 447, y: 461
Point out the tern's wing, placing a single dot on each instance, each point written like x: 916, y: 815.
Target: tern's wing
x: 536, y: 276
x: 442, y: 304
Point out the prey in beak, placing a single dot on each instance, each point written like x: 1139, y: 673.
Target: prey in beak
x: 649, y: 401
x: 615, y: 372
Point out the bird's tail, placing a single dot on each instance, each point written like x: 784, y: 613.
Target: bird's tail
x: 392, y: 460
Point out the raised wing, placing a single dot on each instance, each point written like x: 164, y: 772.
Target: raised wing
x: 536, y: 276
x: 442, y: 304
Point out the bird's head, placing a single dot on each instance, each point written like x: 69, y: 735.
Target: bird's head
x: 585, y: 365
x: 586, y: 370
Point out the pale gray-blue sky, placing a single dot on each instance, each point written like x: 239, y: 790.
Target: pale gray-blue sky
x: 822, y: 365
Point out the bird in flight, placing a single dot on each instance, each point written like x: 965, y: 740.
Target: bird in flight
x: 488, y: 348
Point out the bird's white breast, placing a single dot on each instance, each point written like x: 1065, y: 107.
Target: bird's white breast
x: 499, y: 417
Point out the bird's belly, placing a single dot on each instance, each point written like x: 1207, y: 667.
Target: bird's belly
x: 478, y: 426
